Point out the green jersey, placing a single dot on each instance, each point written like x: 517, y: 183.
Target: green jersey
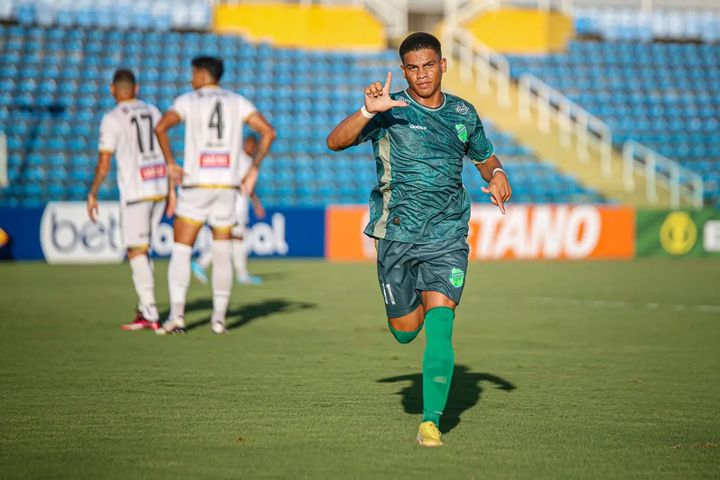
x: 419, y: 151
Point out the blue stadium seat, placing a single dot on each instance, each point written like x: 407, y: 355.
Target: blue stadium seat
x: 70, y: 69
x: 665, y: 95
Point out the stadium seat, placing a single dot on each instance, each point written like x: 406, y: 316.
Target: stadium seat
x: 665, y: 95
x: 57, y: 150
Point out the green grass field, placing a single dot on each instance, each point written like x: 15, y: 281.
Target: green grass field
x: 564, y: 370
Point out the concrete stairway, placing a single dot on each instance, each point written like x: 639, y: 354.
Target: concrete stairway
x: 548, y: 147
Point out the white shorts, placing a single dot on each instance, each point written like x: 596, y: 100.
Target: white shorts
x: 242, y: 215
x: 138, y: 221
x: 214, y: 206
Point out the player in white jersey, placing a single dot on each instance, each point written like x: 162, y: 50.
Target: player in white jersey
x: 240, y: 245
x: 128, y: 132
x: 208, y: 181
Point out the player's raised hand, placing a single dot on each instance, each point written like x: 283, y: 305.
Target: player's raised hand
x: 377, y: 97
x: 499, y: 191
x: 92, y: 207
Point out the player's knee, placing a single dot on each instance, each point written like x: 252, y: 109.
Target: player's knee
x: 404, y: 336
x: 222, y: 233
x: 136, y: 251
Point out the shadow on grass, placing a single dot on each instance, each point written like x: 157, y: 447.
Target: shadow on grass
x: 465, y: 393
x: 240, y: 316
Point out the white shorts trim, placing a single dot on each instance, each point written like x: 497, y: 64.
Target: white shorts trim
x: 214, y: 206
x: 139, y: 220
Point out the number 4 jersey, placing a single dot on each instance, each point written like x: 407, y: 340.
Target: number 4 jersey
x: 214, y: 120
x: 128, y: 131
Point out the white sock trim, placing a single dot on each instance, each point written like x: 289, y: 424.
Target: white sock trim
x: 179, y: 278
x: 221, y: 278
x: 240, y: 250
x: 144, y: 281
x: 205, y: 258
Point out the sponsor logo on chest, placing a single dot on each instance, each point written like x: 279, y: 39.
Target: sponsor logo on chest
x: 152, y: 172
x: 214, y: 160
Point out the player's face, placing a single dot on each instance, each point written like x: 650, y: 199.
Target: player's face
x: 123, y: 92
x: 197, y: 78
x: 423, y: 71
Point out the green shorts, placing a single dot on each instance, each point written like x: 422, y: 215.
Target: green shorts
x: 407, y: 269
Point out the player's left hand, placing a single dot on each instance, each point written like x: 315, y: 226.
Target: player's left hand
x: 92, y: 207
x: 249, y: 181
x: 259, y: 210
x: 499, y: 190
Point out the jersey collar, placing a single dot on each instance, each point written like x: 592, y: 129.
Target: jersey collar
x: 410, y: 97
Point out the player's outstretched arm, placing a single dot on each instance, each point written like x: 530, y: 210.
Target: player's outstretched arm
x: 101, y: 170
x: 267, y: 136
x: 168, y: 121
x: 377, y: 99
x: 267, y: 133
x: 498, y: 183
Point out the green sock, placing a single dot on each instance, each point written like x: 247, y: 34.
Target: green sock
x: 438, y: 362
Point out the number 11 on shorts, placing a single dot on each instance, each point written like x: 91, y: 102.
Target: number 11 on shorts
x: 387, y: 293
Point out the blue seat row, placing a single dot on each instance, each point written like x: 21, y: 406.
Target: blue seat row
x: 636, y: 25
x: 51, y: 109
x: 143, y: 14
x: 665, y: 95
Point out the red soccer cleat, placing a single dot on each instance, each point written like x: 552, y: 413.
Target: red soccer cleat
x: 140, y: 323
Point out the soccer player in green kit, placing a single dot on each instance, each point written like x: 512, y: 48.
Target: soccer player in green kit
x: 419, y: 210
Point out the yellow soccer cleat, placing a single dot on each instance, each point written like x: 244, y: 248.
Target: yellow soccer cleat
x: 429, y: 435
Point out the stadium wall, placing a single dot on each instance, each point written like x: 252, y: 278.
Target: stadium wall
x: 523, y: 31
x: 60, y: 232
x: 315, y: 26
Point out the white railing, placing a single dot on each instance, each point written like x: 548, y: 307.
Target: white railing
x: 682, y: 182
x: 393, y: 14
x: 3, y: 160
x: 489, y: 66
x: 550, y: 104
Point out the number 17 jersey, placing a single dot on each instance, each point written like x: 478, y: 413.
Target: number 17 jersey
x: 214, y: 119
x: 128, y: 131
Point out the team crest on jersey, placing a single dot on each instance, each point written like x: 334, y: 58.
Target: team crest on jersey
x: 462, y: 109
x: 461, y: 132
x: 457, y: 277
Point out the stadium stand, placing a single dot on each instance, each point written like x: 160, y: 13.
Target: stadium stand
x: 54, y: 92
x: 142, y: 14
x: 664, y: 95
x: 632, y: 24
